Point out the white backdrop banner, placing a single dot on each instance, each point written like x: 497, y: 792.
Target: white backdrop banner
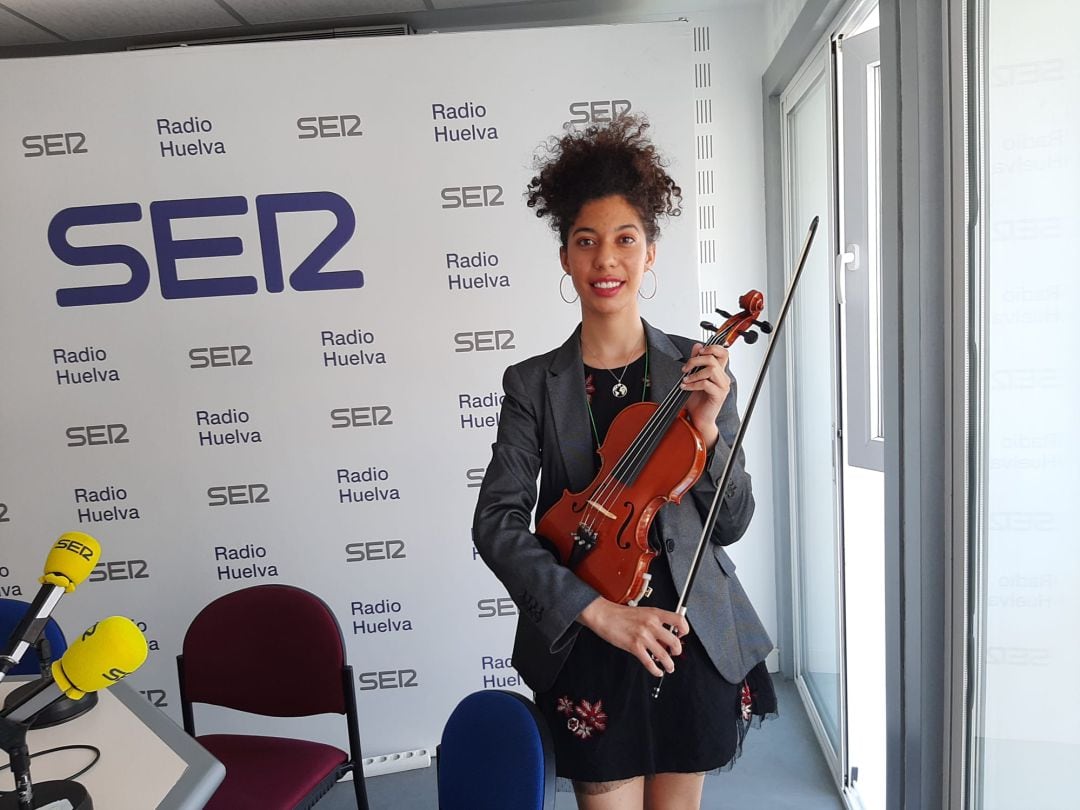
x: 255, y: 304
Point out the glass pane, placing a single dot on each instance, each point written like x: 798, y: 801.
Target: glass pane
x: 1028, y: 721
x: 873, y: 250
x: 812, y: 409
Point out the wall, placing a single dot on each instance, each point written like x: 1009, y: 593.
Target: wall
x: 729, y: 254
x: 780, y: 15
x: 249, y: 348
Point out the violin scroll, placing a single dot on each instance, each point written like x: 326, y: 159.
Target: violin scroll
x: 742, y: 323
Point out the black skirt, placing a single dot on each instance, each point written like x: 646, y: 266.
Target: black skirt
x: 606, y: 725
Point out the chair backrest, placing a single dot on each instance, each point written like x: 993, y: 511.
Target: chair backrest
x: 270, y: 649
x: 496, y: 753
x: 11, y: 611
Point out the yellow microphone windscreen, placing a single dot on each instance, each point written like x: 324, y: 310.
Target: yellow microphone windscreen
x: 71, y: 560
x: 107, y: 652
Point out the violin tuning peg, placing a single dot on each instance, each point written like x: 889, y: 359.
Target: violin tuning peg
x: 725, y: 314
x: 708, y: 326
x: 764, y: 326
x: 750, y: 337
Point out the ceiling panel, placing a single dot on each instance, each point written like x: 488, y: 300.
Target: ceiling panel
x: 14, y: 31
x: 103, y: 19
x: 272, y: 11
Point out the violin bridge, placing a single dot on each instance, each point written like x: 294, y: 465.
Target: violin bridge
x: 600, y: 509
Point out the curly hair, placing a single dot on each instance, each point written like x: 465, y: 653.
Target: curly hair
x: 602, y: 161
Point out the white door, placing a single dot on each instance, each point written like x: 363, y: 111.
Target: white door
x: 813, y: 416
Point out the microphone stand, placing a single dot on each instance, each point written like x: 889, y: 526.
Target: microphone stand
x: 27, y: 797
x: 59, y: 711
x: 13, y: 740
x: 736, y: 445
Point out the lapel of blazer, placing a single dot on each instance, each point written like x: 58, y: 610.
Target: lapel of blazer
x: 569, y: 410
x: 566, y: 398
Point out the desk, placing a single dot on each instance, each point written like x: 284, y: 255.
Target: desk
x: 147, y: 760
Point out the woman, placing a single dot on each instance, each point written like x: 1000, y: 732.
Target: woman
x: 592, y: 662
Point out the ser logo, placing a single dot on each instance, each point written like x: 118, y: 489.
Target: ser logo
x: 372, y: 550
x: 120, y: 570
x: 86, y: 435
x: 361, y: 416
x: 157, y: 697
x: 472, y: 196
x: 490, y: 340
x: 388, y: 679
x: 56, y: 143
x: 238, y: 494
x: 310, y: 274
x: 75, y: 547
x: 328, y: 126
x: 598, y: 112
x: 220, y: 356
x: 491, y: 608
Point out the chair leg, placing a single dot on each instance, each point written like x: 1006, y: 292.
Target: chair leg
x: 355, y: 752
x: 360, y: 788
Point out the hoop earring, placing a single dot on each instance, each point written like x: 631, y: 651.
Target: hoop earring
x: 655, y: 284
x: 562, y: 292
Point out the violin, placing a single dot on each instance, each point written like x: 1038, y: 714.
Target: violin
x: 651, y: 456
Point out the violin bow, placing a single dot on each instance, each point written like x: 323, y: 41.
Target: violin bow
x: 736, y: 445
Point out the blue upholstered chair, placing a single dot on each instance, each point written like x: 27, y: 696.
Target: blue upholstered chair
x: 11, y: 611
x: 496, y: 753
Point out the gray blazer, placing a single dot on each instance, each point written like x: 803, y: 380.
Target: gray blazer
x: 544, y: 429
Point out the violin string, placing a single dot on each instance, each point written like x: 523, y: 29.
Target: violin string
x: 641, y: 447
x: 639, y: 450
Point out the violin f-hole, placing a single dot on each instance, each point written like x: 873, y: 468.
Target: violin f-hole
x: 622, y: 529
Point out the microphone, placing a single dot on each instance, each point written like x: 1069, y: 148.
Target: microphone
x: 70, y: 561
x: 107, y: 652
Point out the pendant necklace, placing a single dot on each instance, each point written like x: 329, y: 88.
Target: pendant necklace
x: 619, y: 389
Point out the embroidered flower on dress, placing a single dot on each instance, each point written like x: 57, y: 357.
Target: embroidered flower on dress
x: 746, y: 701
x: 593, y: 715
x: 584, y: 719
x: 579, y: 728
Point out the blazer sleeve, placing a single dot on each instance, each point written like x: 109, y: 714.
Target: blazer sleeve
x: 546, y: 592
x: 737, y: 506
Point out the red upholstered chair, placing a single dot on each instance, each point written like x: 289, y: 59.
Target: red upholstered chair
x: 233, y: 657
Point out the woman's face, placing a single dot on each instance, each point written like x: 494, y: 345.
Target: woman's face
x: 606, y: 255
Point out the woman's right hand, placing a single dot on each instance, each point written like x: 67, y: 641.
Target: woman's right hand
x: 641, y: 631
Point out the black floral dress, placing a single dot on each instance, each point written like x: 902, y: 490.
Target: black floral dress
x: 605, y: 724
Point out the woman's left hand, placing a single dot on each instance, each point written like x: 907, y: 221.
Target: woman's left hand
x: 709, y: 385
